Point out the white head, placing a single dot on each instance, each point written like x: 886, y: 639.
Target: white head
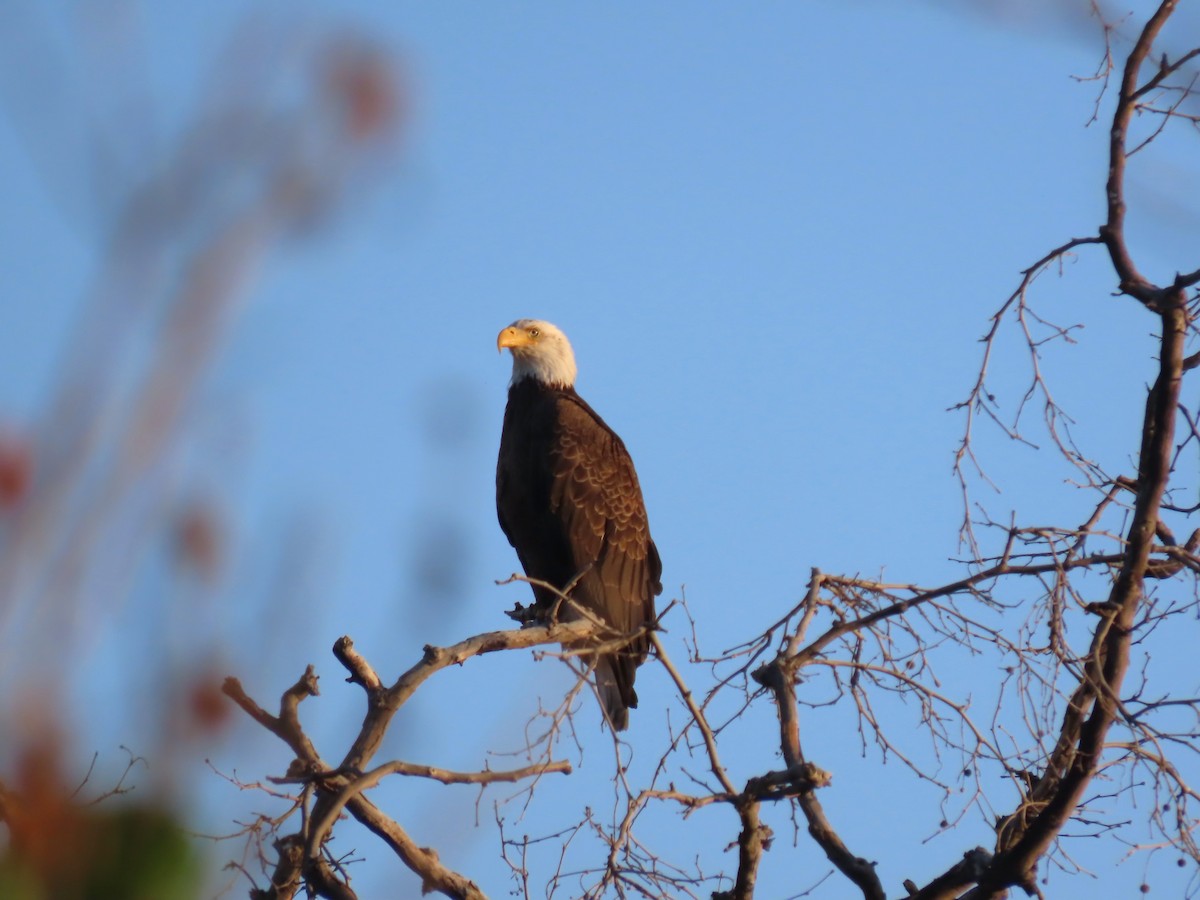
x: 540, y: 350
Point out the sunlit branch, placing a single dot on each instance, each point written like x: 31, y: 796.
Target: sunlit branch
x: 342, y: 788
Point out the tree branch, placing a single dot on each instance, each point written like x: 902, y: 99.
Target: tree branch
x: 339, y: 788
x: 285, y: 726
x: 778, y: 676
x: 1113, y: 231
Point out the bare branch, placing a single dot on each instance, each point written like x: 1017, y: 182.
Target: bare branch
x: 342, y: 788
x: 1113, y: 231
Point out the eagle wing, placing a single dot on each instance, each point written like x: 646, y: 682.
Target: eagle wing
x: 595, y: 494
x: 569, y: 501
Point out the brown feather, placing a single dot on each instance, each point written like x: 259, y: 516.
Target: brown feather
x: 568, y: 500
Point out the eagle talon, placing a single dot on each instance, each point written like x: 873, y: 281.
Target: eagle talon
x: 525, y: 616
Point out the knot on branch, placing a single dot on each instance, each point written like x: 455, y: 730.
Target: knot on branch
x: 307, y: 685
x: 432, y: 655
x: 969, y: 870
x: 1105, y: 609
x: 285, y: 880
x: 300, y: 770
x: 1176, y: 557
x: 431, y: 858
x: 360, y: 670
x: 775, y: 674
x: 976, y: 861
x: 791, y: 782
x: 322, y: 881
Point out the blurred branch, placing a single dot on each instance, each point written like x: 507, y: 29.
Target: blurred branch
x: 189, y: 228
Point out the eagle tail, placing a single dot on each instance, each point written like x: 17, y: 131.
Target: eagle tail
x: 614, y: 684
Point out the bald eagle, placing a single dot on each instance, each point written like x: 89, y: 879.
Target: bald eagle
x: 569, y: 502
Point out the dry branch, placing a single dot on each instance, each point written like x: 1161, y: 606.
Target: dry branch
x: 342, y: 788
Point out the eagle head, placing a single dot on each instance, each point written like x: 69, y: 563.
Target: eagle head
x: 540, y: 350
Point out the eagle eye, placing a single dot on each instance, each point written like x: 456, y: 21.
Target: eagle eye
x: 533, y: 332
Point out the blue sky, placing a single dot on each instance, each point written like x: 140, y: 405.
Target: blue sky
x: 773, y: 233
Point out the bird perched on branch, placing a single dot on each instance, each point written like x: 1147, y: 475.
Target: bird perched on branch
x: 568, y: 500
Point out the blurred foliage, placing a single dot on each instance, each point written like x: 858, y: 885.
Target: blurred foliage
x: 134, y: 852
x: 64, y: 847
x: 119, y: 552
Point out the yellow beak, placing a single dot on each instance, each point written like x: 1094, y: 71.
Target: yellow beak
x: 512, y: 337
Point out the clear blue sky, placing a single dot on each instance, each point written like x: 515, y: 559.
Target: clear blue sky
x: 773, y: 233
